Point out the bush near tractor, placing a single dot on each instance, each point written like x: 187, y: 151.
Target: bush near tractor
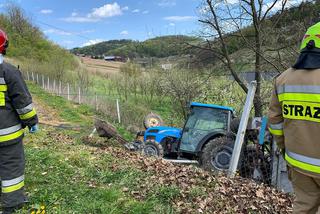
x: 207, y: 138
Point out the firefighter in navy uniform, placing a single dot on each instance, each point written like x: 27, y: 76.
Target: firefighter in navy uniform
x: 294, y: 117
x: 16, y: 113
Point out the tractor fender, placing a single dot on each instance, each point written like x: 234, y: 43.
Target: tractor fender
x: 209, y: 137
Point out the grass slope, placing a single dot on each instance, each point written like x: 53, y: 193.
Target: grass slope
x: 66, y: 175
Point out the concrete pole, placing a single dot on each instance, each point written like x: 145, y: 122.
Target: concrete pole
x: 242, y: 129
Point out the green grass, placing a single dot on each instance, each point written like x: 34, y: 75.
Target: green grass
x: 66, y: 176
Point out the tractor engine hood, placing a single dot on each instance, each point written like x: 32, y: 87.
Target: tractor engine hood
x: 161, y: 132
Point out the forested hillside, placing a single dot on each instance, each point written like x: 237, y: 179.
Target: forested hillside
x: 163, y: 46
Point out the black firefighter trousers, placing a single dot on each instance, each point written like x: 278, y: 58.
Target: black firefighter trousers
x: 12, y: 164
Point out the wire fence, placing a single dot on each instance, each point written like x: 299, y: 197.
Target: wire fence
x: 113, y: 108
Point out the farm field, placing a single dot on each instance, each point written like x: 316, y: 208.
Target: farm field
x: 99, y: 66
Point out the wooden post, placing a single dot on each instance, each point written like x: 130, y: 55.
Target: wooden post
x: 68, y: 91
x: 118, y: 111
x: 37, y: 78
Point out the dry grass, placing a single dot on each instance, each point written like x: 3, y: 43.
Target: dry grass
x: 98, y: 66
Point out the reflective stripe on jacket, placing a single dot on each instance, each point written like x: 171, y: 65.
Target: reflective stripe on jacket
x: 294, y: 118
x: 16, y: 108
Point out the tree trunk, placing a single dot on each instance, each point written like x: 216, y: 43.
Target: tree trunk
x: 257, y: 99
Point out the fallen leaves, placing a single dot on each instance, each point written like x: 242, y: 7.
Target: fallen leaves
x: 199, y: 190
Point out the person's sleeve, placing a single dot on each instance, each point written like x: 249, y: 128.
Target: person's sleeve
x: 276, y: 119
x: 21, y: 99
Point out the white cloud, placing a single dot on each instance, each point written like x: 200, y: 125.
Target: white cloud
x: 136, y: 11
x: 124, y: 33
x: 92, y: 42
x: 232, y: 1
x: 167, y: 3
x: 172, y: 24
x: 107, y: 10
x: 179, y: 18
x: 278, y: 6
x: 58, y: 32
x: 145, y: 12
x: 46, y: 11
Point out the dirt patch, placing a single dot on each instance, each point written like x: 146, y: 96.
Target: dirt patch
x: 47, y: 115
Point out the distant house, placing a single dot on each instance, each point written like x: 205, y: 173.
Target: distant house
x: 166, y: 66
x: 114, y: 58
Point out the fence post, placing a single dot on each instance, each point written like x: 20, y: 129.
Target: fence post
x: 242, y: 129
x: 118, y: 111
x: 54, y: 86
x: 37, y: 78
x: 96, y: 102
x: 68, y: 91
x: 48, y: 86
x: 60, y: 88
x: 79, y: 94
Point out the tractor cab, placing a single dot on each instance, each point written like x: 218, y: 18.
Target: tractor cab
x: 205, y: 122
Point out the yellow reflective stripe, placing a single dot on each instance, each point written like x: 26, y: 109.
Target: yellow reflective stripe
x: 2, y: 99
x: 301, y: 111
x: 301, y: 165
x: 276, y: 132
x: 3, y: 87
x: 13, y: 187
x: 28, y: 115
x: 299, y: 97
x: 12, y: 136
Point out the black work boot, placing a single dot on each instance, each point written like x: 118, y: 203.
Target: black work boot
x: 10, y: 210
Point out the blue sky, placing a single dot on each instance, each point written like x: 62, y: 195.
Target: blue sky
x: 72, y: 23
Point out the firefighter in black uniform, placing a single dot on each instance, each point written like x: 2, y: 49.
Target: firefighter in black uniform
x: 16, y: 113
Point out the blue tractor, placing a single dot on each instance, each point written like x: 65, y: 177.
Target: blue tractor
x: 207, y: 138
x: 204, y: 137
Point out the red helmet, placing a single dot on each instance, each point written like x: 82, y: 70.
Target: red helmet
x: 3, y: 42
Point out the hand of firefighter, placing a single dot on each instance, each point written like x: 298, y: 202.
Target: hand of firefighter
x: 33, y: 129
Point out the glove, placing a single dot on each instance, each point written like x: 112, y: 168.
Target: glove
x: 33, y: 129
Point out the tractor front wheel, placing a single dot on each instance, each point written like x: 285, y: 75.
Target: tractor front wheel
x: 152, y: 148
x: 216, y: 155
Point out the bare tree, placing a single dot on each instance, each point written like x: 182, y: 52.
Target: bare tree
x: 246, y: 21
x: 182, y: 86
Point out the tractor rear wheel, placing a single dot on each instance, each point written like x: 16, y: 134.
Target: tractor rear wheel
x: 152, y: 120
x: 217, y: 153
x: 152, y: 148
